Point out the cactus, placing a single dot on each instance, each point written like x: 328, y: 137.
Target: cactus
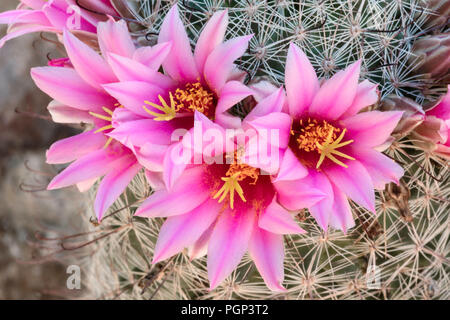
x: 405, y: 245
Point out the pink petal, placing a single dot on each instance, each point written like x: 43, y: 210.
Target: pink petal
x: 219, y: 63
x: 341, y: 216
x: 228, y: 243
x: 70, y: 149
x: 359, y: 190
x: 34, y: 4
x: 185, y: 196
x: 184, y: 230
x: 151, y: 156
x: 441, y: 109
x: 276, y: 122
x: 24, y: 16
x: 127, y: 69
x: 278, y: 220
x: 272, y: 103
x: 211, y: 36
x: 84, y: 186
x: 232, y: 92
x: 92, y: 165
x: 153, y: 57
x: 371, y: 129
x: 301, y: 81
x: 290, y: 168
x: 180, y: 63
x: 174, y: 165
x: 64, y: 114
x: 133, y: 94
x: 267, y: 251
x: 140, y: 132
x: 200, y: 247
x: 298, y: 194
x: 322, y: 209
x: 23, y: 31
x: 88, y: 64
x: 366, y: 95
x: 112, y: 186
x: 336, y: 95
x: 381, y: 169
x: 67, y: 87
x: 155, y: 180
x: 113, y: 37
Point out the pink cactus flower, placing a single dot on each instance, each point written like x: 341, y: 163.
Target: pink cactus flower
x: 206, y: 81
x: 80, y: 97
x: 53, y: 16
x: 434, y: 131
x: 228, y: 207
x: 332, y: 146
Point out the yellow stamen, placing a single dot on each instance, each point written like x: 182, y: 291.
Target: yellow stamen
x: 235, y: 174
x: 108, y: 111
x: 100, y: 116
x: 103, y: 128
x: 168, y: 112
x: 328, y: 148
x: 108, y: 142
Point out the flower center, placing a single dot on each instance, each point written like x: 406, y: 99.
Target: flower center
x: 320, y: 138
x: 236, y: 173
x: 193, y: 97
x: 108, y: 118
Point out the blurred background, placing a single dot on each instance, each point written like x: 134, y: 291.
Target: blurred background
x: 25, y: 206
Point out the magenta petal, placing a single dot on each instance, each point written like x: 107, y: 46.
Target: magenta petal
x: 200, y: 247
x: 359, y: 190
x: 67, y: 87
x: 186, y: 195
x: 441, y: 109
x: 92, y: 165
x: 127, y: 69
x: 153, y: 57
x: 180, y: 63
x: 113, y: 37
x: 272, y: 103
x: 341, y: 216
x: 290, y: 168
x: 211, y: 36
x: 301, y: 81
x: 371, y: 129
x: 366, y: 95
x: 381, y: 169
x: 151, y: 156
x: 322, y: 209
x: 336, y: 95
x: 133, y: 94
x: 88, y: 64
x: 228, y: 243
x: 70, y: 149
x: 219, y: 64
x: 184, y: 230
x: 64, y: 114
x: 278, y: 220
x: 35, y: 17
x: 112, y: 185
x: 267, y: 251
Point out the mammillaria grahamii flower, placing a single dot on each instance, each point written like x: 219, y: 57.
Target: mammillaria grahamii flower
x: 80, y: 97
x: 332, y: 146
x: 207, y: 81
x: 433, y: 133
x: 228, y: 206
x: 53, y: 16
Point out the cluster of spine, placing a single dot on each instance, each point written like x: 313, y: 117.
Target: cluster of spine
x: 402, y: 252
